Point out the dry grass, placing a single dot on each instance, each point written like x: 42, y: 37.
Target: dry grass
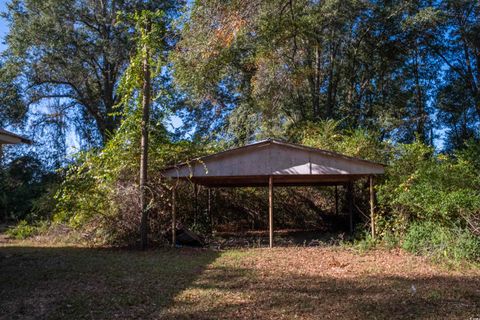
x: 327, y: 283
x: 288, y: 283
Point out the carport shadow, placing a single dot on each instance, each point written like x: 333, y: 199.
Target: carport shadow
x: 282, y: 238
x: 82, y: 283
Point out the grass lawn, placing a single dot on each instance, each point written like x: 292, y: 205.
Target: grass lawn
x: 284, y: 283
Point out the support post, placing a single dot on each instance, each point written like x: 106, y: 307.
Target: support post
x: 174, y: 217
x: 372, y: 206
x: 209, y: 208
x: 350, y: 205
x: 270, y: 209
x: 195, y: 203
x: 336, y: 200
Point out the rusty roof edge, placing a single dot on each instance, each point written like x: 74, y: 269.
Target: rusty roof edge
x: 266, y: 142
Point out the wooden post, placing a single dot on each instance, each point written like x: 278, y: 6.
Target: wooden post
x: 270, y: 210
x: 350, y: 205
x: 336, y: 200
x: 174, y: 217
x: 209, y: 209
x: 372, y: 206
x: 195, y: 203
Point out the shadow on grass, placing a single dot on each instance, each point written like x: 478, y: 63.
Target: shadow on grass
x: 282, y: 238
x: 79, y: 283
x: 239, y: 293
x: 82, y: 283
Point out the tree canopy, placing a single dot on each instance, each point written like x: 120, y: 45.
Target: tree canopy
x: 69, y: 57
x: 391, y: 66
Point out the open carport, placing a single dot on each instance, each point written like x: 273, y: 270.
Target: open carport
x: 271, y: 163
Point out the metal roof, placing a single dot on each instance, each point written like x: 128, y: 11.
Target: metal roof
x: 7, y: 137
x: 288, y: 163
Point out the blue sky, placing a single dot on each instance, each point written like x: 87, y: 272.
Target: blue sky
x: 3, y: 24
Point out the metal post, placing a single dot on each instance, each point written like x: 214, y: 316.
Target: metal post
x: 209, y: 208
x: 350, y: 205
x: 270, y: 210
x: 195, y: 203
x: 372, y: 206
x: 336, y: 200
x: 174, y: 217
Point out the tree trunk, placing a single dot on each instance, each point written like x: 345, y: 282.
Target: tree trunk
x: 314, y: 80
x: 472, y: 84
x: 146, y: 92
x: 331, y: 89
x: 420, y: 113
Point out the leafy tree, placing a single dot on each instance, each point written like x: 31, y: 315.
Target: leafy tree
x: 270, y: 65
x: 458, y: 98
x: 146, y: 63
x: 104, y: 188
x: 12, y: 110
x: 69, y: 56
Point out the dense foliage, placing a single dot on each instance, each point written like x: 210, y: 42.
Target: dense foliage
x: 432, y: 202
x: 387, y: 66
x: 100, y: 192
x: 395, y: 82
x: 26, y: 190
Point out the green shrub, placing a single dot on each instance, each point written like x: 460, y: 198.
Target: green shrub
x: 22, y: 230
x: 25, y: 186
x: 432, y: 239
x: 365, y: 242
x: 390, y: 240
x: 422, y: 186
